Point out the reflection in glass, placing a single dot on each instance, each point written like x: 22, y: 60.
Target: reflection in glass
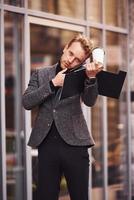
x: 19, y: 3
x: 117, y: 120
x: 68, y: 8
x: 96, y: 37
x: 116, y: 12
x: 14, y: 129
x: 46, y: 47
x: 97, y: 151
x: 131, y: 70
x: 96, y: 118
x: 115, y: 51
x: 0, y: 117
x: 132, y: 141
x: 94, y: 10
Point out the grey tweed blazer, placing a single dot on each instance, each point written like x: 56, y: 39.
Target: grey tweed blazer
x: 67, y: 113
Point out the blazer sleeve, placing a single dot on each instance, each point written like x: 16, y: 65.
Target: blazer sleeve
x: 36, y: 94
x: 90, y: 92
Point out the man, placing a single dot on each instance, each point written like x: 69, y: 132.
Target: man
x: 60, y: 132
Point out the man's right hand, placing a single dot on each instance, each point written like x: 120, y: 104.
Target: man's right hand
x: 58, y: 80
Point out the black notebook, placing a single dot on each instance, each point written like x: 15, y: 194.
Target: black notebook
x: 109, y: 84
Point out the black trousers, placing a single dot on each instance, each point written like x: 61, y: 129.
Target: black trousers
x: 56, y: 158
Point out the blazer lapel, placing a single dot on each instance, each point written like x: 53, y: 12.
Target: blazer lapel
x: 51, y: 75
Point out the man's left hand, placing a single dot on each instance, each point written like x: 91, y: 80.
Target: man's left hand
x: 93, y: 68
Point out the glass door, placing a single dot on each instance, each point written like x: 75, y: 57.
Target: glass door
x: 47, y: 40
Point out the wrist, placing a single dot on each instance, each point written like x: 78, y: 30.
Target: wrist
x: 92, y: 77
x: 92, y: 80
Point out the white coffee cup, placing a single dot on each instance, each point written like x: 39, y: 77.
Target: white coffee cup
x: 98, y: 55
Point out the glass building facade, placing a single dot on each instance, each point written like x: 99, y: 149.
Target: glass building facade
x: 33, y: 34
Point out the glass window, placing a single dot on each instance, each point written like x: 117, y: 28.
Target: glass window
x: 96, y: 36
x: 46, y: 47
x: 94, y: 10
x: 116, y: 48
x: 0, y: 120
x: 14, y: 121
x: 19, y: 3
x: 116, y: 52
x: 97, y: 151
x: 132, y: 140
x: 0, y: 73
x: 61, y: 7
x: 132, y: 102
x: 96, y: 119
x: 131, y: 75
x: 116, y: 13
